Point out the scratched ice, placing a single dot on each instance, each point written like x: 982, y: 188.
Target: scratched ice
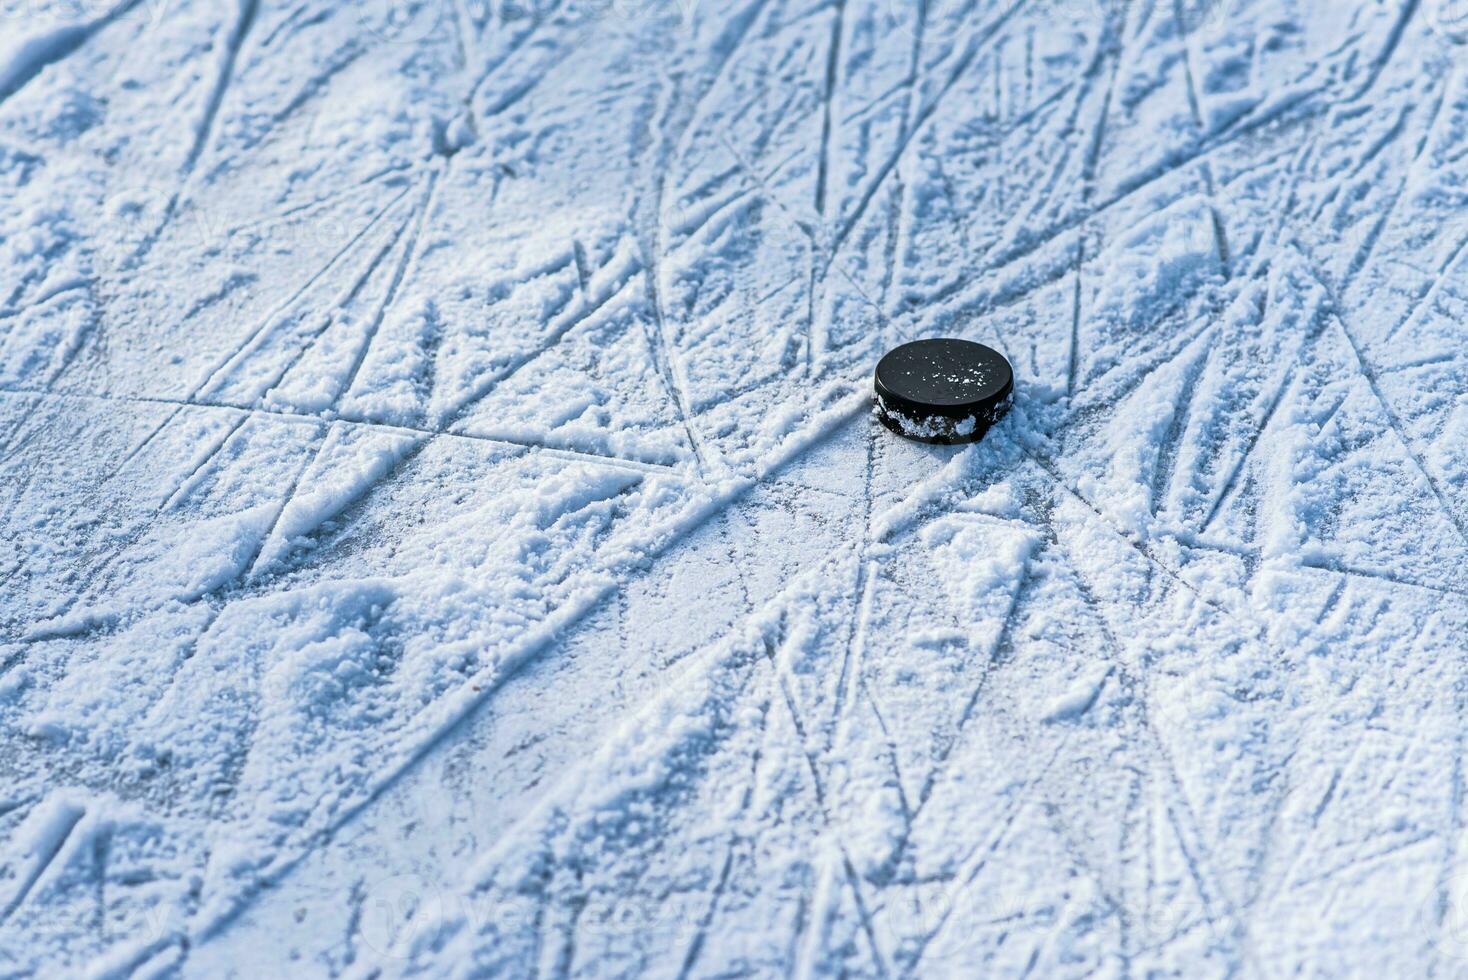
x: 445, y: 533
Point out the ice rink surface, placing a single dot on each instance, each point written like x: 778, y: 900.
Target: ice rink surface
x: 443, y: 531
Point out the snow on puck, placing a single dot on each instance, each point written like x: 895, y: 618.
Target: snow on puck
x: 943, y: 390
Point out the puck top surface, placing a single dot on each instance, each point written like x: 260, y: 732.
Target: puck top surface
x: 944, y: 376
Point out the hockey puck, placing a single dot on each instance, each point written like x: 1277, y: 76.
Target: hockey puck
x: 943, y: 390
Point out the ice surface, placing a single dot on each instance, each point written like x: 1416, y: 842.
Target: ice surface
x: 445, y: 532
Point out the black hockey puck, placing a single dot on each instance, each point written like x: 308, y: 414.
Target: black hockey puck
x: 943, y: 390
